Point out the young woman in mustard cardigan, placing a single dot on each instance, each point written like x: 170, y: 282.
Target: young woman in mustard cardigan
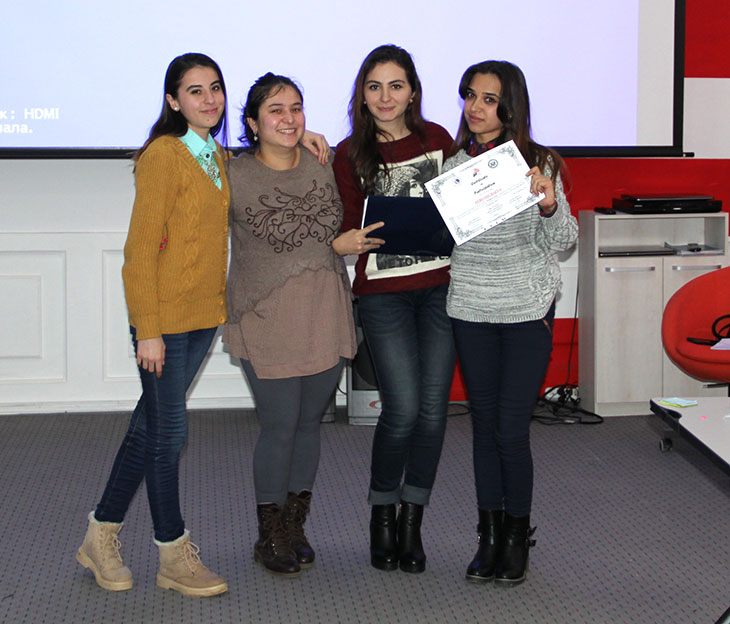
x: 174, y: 275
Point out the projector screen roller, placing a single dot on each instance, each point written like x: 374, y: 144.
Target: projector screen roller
x: 88, y: 76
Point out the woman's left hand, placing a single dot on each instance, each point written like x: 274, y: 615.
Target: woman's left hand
x: 542, y: 184
x: 317, y: 144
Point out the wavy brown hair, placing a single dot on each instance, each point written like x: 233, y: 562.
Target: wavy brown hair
x: 363, y: 149
x: 514, y: 113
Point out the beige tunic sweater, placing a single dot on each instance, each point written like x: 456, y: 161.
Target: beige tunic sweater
x: 288, y: 291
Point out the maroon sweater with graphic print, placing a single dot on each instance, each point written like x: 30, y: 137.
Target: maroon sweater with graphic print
x: 411, y: 163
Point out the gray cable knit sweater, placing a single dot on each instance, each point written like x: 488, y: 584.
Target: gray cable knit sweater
x: 510, y: 274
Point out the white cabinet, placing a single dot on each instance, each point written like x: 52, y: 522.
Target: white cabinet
x: 622, y: 364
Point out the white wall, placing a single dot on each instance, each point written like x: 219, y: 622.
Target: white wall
x: 64, y: 339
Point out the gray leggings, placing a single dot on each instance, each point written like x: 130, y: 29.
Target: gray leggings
x: 287, y: 452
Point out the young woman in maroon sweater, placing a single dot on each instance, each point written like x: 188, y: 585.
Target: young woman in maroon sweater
x: 393, y: 151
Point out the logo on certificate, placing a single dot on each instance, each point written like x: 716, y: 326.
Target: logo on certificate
x: 492, y: 163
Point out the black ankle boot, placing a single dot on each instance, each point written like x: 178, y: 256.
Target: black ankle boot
x: 489, y: 531
x: 383, y: 546
x: 411, y: 557
x: 514, y: 550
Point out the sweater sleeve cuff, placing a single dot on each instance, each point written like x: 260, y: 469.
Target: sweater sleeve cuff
x: 549, y: 211
x: 147, y: 326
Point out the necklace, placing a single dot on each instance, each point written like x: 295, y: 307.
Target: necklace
x: 209, y: 165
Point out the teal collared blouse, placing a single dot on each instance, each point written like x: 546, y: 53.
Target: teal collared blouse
x: 203, y: 152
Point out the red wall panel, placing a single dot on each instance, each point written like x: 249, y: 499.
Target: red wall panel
x: 596, y: 181
x: 707, y: 43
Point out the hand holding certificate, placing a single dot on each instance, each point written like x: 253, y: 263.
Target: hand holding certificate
x: 483, y: 192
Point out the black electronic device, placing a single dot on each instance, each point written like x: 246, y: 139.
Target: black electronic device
x: 666, y: 204
x: 635, y: 250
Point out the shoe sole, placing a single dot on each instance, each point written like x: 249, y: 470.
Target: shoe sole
x: 412, y: 569
x: 385, y: 566
x: 471, y: 578
x: 257, y: 561
x: 502, y: 582
x: 198, y: 592
x: 86, y: 562
x: 509, y: 582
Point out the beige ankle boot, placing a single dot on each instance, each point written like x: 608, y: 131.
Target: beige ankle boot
x: 182, y: 570
x: 100, y: 554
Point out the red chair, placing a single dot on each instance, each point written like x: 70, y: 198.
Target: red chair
x: 691, y: 312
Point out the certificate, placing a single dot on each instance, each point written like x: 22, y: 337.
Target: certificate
x: 483, y: 192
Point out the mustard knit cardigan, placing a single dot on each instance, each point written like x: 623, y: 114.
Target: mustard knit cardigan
x: 176, y: 254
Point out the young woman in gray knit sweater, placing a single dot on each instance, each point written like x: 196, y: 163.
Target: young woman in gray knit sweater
x: 501, y: 302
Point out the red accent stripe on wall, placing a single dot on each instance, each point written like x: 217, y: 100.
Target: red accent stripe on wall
x: 707, y: 44
x: 596, y: 181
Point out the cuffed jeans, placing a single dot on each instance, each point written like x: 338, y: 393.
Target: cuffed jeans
x: 287, y: 450
x: 156, y: 435
x: 503, y: 365
x: 411, y: 343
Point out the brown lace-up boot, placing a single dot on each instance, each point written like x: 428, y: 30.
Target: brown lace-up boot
x: 293, y: 516
x: 272, y: 550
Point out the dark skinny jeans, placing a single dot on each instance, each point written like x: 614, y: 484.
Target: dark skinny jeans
x: 412, y: 345
x: 503, y: 365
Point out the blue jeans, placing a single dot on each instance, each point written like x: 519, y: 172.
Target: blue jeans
x: 503, y: 365
x: 157, y: 433
x: 411, y: 342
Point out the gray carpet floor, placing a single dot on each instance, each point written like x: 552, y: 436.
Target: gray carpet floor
x: 625, y: 533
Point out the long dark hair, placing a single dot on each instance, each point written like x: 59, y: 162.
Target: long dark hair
x: 363, y: 145
x: 267, y: 85
x: 514, y: 113
x: 173, y: 122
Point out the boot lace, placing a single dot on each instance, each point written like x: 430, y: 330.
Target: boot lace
x: 279, y: 539
x: 293, y: 517
x: 191, y: 555
x: 111, y: 545
x: 276, y: 531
